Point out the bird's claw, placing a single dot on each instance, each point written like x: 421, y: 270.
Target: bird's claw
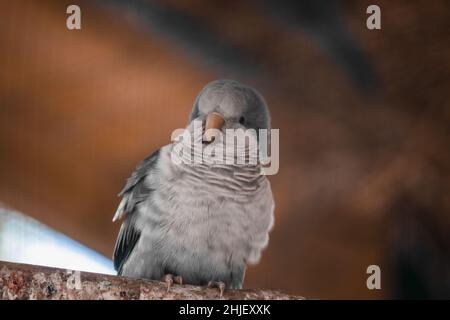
x: 170, y: 280
x: 178, y: 280
x: 217, y: 284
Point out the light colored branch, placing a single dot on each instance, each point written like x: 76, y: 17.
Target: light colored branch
x: 22, y: 281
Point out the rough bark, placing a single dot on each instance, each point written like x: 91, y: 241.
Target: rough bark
x: 22, y: 281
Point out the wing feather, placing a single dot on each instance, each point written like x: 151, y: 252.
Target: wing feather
x: 134, y: 192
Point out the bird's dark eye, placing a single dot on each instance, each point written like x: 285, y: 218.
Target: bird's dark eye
x: 242, y: 120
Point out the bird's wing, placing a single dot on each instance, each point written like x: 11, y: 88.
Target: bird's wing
x: 135, y: 191
x: 126, y: 241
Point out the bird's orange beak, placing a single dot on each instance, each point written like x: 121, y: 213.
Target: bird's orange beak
x: 213, y: 121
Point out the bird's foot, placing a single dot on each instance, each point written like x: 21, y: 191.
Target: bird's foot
x: 217, y: 284
x: 169, y: 279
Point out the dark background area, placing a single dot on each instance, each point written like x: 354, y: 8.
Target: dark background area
x: 363, y: 118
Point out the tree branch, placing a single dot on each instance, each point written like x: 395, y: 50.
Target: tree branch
x: 22, y: 281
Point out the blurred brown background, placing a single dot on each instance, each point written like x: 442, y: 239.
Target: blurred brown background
x: 363, y: 118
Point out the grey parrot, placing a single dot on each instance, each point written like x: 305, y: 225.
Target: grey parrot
x: 198, y: 224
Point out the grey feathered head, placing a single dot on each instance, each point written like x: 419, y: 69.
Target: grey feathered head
x: 238, y: 105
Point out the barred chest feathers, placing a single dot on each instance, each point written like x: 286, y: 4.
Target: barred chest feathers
x: 228, y: 214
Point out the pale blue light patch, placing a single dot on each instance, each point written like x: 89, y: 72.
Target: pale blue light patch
x: 25, y: 240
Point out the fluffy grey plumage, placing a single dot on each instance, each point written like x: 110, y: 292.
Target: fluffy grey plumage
x: 200, y: 222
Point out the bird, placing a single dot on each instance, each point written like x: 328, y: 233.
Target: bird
x: 199, y: 223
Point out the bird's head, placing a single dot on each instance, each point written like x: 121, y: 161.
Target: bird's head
x: 227, y: 104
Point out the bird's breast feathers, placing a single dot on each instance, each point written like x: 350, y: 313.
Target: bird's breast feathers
x: 205, y: 212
